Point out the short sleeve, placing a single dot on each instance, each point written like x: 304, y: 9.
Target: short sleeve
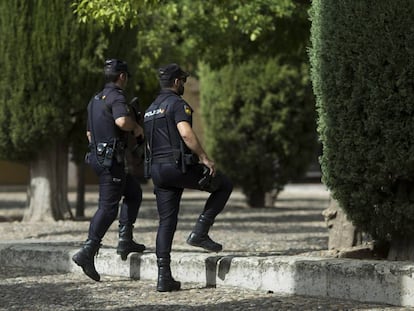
x: 182, y: 112
x: 119, y: 107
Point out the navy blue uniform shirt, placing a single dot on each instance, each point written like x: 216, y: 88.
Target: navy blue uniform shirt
x: 178, y: 110
x: 102, y: 115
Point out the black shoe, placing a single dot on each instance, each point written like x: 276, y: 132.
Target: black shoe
x: 168, y: 285
x: 129, y: 246
x: 204, y: 241
x: 85, y: 259
x: 166, y: 282
x: 199, y: 237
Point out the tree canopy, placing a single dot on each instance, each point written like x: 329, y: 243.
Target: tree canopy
x: 216, y: 32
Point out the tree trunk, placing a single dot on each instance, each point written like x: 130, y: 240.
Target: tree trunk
x: 80, y: 189
x: 256, y: 199
x: 271, y: 197
x: 342, y: 233
x: 401, y: 249
x: 48, y: 187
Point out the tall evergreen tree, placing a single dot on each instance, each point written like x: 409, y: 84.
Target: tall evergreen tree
x: 362, y: 60
x: 46, y: 70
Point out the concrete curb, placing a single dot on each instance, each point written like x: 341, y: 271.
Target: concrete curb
x: 374, y: 281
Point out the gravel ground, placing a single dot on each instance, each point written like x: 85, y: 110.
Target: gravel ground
x: 294, y: 226
x: 22, y: 290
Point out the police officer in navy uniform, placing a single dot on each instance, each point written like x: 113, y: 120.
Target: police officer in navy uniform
x: 176, y: 160
x: 109, y: 123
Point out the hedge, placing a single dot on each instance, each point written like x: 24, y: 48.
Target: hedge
x: 362, y: 69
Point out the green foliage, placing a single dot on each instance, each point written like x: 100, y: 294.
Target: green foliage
x: 250, y: 17
x: 28, y: 96
x: 362, y: 61
x: 154, y: 23
x: 188, y: 31
x: 216, y: 32
x: 114, y: 13
x: 260, y: 125
x: 149, y: 30
x: 231, y: 31
x: 49, y: 71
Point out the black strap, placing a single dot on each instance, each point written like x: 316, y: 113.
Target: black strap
x: 149, y: 151
x: 99, y: 96
x: 91, y: 128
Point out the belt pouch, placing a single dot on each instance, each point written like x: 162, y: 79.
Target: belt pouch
x: 147, y: 168
x: 109, y: 155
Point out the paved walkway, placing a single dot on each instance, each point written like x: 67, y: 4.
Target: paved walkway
x: 273, y: 259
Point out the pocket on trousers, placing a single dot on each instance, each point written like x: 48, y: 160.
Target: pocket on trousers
x: 117, y: 172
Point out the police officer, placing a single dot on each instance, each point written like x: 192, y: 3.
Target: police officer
x: 109, y: 122
x: 176, y: 160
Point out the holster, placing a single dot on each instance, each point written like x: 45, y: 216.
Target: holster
x: 186, y: 159
x: 106, y: 153
x: 190, y: 159
x: 209, y: 183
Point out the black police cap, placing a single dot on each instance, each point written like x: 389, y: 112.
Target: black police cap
x: 171, y: 72
x: 115, y: 66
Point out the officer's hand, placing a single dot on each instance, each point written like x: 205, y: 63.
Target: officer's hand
x: 210, y: 164
x: 138, y: 131
x: 204, y: 159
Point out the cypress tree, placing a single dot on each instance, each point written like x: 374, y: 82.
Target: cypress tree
x: 362, y: 60
x: 46, y: 70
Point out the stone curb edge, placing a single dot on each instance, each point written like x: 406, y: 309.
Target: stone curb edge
x: 373, y: 281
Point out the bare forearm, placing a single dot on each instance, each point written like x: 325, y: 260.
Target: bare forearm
x: 194, y: 145
x: 126, y: 123
x: 191, y: 140
x: 129, y: 125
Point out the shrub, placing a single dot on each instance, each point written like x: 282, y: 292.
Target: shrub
x: 260, y: 123
x: 362, y: 61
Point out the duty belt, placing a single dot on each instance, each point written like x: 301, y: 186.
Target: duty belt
x: 189, y: 159
x: 169, y: 159
x: 119, y: 145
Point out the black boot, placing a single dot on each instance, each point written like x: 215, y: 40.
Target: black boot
x: 85, y: 259
x: 126, y: 244
x: 199, y: 237
x: 166, y: 283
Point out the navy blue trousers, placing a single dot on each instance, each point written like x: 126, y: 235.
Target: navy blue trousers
x: 114, y: 184
x: 169, y: 184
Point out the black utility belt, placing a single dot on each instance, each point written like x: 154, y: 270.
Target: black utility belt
x: 106, y: 152
x: 102, y: 148
x: 189, y: 159
x: 163, y: 160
